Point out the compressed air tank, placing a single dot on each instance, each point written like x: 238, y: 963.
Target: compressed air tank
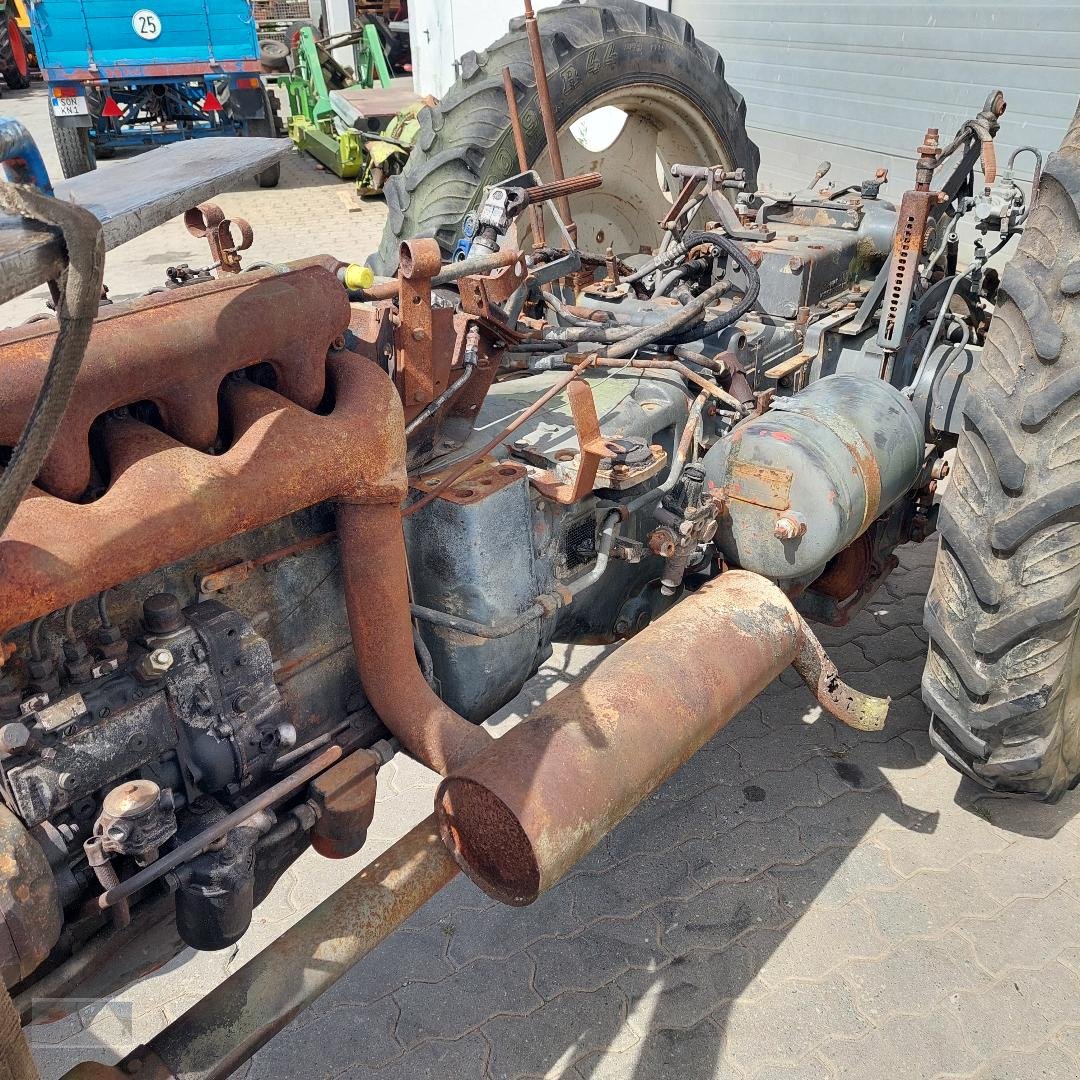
x: 805, y: 479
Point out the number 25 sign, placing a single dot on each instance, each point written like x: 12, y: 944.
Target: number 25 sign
x: 146, y: 24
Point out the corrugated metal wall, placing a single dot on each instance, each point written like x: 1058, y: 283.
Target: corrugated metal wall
x: 859, y: 83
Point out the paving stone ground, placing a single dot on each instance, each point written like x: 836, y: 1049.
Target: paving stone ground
x: 800, y: 902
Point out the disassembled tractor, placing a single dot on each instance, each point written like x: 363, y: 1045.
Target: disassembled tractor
x: 279, y: 536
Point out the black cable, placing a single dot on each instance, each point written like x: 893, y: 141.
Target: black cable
x: 80, y: 293
x: 753, y: 288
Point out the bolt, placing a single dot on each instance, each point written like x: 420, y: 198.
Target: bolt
x: 794, y: 264
x: 15, y: 738
x: 418, y: 334
x: 789, y: 528
x: 244, y: 701
x: 67, y: 781
x: 154, y: 665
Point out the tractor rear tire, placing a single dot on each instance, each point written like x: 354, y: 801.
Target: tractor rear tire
x: 592, y: 50
x: 14, y: 62
x: 1003, y: 674
x: 73, y: 148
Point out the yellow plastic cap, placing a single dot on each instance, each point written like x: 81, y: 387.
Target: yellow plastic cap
x: 358, y: 277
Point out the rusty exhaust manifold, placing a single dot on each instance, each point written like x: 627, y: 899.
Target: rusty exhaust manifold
x: 522, y: 813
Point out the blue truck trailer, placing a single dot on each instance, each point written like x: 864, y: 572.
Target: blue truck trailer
x: 124, y: 74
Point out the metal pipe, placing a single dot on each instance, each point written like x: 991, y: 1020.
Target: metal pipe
x: 222, y: 1030
x: 545, y: 604
x: 520, y: 815
x: 536, y: 213
x: 543, y: 94
x: 682, y: 452
x: 451, y: 272
x: 198, y: 844
x: 376, y: 586
x: 432, y: 408
x: 488, y: 631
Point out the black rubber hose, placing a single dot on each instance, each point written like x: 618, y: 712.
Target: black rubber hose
x: 672, y: 330
x: 753, y: 287
x: 80, y: 293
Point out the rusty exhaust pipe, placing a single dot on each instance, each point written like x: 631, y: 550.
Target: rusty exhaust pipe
x: 521, y: 814
x: 377, y: 599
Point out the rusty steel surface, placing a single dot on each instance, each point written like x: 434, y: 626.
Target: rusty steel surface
x: 536, y: 214
x: 376, y: 582
x: 30, y: 915
x: 345, y: 797
x: 593, y: 449
x: 558, y: 189
x: 482, y: 479
x: 451, y: 272
x: 520, y: 815
x: 848, y: 571
x: 523, y: 417
x: 857, y: 710
x: 420, y: 261
x: 208, y: 221
x: 907, y: 248
x: 173, y: 349
x: 168, y: 501
x: 222, y: 1030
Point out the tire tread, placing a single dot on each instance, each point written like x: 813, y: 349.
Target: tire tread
x: 1002, y: 611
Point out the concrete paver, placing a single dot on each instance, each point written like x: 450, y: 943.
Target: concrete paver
x: 800, y: 902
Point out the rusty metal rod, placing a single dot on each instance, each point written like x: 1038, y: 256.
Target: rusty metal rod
x: 523, y: 813
x: 198, y: 844
x: 536, y: 213
x: 543, y: 94
x: 464, y: 466
x: 222, y: 1030
x: 451, y: 272
x: 572, y: 185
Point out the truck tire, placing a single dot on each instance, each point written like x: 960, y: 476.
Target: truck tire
x: 13, y: 59
x: 273, y: 55
x: 597, y: 53
x: 1003, y: 673
x: 267, y: 129
x: 73, y: 148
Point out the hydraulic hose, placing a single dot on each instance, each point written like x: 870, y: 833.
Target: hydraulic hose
x: 753, y: 287
x: 80, y: 293
x: 675, y: 330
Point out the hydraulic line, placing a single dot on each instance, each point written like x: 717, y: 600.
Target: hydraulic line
x: 674, y: 329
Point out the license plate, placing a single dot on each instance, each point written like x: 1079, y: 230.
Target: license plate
x: 70, y: 106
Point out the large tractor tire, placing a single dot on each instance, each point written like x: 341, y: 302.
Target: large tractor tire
x: 73, y: 148
x: 14, y: 61
x: 638, y: 59
x: 1003, y: 674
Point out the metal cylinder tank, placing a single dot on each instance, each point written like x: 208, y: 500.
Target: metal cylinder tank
x: 804, y: 480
